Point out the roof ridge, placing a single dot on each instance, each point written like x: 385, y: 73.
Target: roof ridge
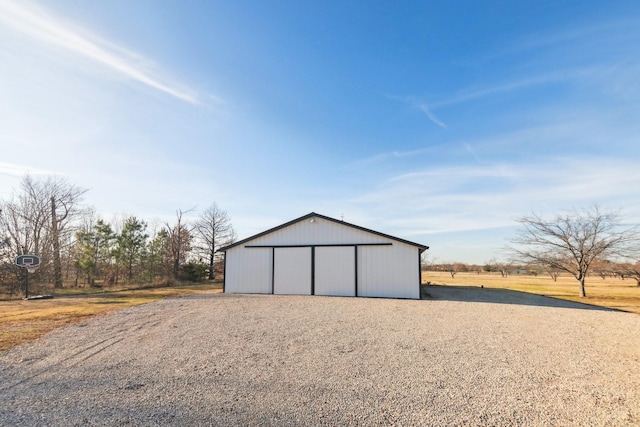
x: 309, y: 215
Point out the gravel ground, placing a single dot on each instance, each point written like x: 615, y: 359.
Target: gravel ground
x: 464, y: 357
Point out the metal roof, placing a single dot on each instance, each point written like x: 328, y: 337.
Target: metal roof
x: 313, y: 214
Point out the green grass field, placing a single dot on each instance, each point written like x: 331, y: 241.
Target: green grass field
x: 610, y: 292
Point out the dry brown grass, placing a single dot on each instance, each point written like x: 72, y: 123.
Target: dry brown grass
x: 611, y: 292
x: 22, y: 321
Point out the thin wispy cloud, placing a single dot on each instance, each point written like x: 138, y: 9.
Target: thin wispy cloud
x: 472, y: 152
x: 421, y: 106
x: 468, y: 95
x: 12, y: 169
x: 455, y: 173
x: 41, y: 25
x: 448, y: 199
x: 589, y: 46
x: 610, y: 31
x: 386, y: 156
x: 425, y: 109
x: 516, y: 85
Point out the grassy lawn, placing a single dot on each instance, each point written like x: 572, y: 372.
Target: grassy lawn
x: 22, y: 321
x: 611, y: 292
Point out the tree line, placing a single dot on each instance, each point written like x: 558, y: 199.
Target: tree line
x: 46, y: 217
x: 603, y: 269
x: 580, y: 243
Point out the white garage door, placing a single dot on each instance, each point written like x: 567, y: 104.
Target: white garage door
x: 292, y: 271
x: 335, y: 272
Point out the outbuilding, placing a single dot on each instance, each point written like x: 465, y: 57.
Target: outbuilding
x: 319, y: 255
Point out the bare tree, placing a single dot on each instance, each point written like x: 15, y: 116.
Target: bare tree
x: 453, y: 268
x: 213, y: 230
x: 631, y: 270
x: 37, y: 219
x: 9, y: 273
x: 571, y: 242
x: 553, y: 272
x: 604, y: 268
x: 504, y: 268
x: 180, y: 237
x: 64, y: 198
x: 25, y: 218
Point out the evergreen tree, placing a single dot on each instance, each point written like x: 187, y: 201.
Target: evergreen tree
x: 95, y: 250
x: 131, y: 245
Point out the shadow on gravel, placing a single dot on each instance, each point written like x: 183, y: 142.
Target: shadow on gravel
x: 500, y: 296
x: 454, y: 293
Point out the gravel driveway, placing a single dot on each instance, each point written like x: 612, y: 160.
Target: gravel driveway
x: 464, y: 357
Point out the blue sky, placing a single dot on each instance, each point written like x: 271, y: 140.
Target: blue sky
x: 437, y: 122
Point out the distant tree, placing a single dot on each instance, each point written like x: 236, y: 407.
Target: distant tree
x: 64, y: 199
x: 193, y: 272
x: 534, y: 270
x: 9, y: 273
x: 131, y: 244
x: 95, y: 249
x: 571, y: 242
x: 474, y: 268
x: 502, y: 267
x: 603, y: 268
x: 158, y: 260
x: 553, y: 272
x: 213, y: 230
x: 631, y: 270
x: 38, y: 219
x: 453, y: 268
x: 428, y: 261
x: 180, y: 238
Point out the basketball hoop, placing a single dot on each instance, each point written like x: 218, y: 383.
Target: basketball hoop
x: 30, y: 262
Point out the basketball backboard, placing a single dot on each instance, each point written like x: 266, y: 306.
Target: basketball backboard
x: 27, y: 261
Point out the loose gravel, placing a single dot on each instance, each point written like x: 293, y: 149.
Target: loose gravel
x: 463, y: 357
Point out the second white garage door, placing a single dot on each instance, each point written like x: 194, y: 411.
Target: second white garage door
x: 335, y: 272
x: 292, y: 271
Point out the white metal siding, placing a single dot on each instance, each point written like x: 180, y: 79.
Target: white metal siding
x: 388, y: 271
x: 248, y: 270
x: 318, y: 232
x: 292, y: 271
x: 335, y: 272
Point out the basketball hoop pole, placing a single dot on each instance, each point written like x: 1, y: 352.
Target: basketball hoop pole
x: 26, y: 284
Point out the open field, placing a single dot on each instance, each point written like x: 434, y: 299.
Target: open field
x: 22, y: 321
x: 611, y: 292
